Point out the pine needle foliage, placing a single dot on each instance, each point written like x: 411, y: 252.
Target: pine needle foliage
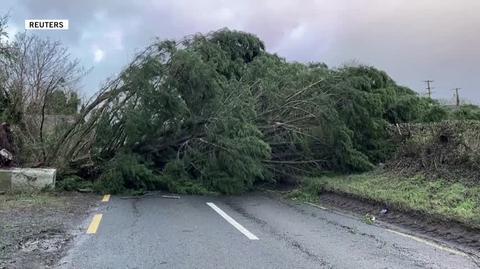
x: 218, y: 111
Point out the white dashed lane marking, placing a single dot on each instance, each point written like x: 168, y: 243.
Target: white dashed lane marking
x: 233, y: 222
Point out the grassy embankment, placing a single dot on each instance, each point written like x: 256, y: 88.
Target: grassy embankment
x: 440, y: 198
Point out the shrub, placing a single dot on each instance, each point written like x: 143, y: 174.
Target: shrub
x: 126, y: 171
x: 72, y: 183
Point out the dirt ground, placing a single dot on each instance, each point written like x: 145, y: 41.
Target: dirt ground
x: 35, y: 230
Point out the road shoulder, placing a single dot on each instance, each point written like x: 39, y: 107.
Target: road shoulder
x: 37, y: 229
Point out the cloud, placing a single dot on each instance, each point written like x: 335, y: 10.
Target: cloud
x: 98, y: 55
x: 115, y: 39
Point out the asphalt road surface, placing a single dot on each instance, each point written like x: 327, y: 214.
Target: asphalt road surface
x: 253, y: 231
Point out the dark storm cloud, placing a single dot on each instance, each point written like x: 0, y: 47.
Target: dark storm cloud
x: 411, y: 40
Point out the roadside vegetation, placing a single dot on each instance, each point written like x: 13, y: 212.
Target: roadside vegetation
x: 437, y: 198
x: 24, y: 200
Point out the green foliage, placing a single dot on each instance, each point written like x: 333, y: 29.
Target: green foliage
x: 433, y: 112
x: 73, y: 183
x: 466, y: 112
x: 125, y: 171
x: 176, y: 179
x: 217, y: 112
x: 180, y: 116
x: 367, y: 100
x: 62, y: 103
x: 240, y: 46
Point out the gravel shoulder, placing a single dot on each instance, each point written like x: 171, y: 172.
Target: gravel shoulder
x: 35, y: 230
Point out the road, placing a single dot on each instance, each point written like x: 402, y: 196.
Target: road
x: 252, y: 231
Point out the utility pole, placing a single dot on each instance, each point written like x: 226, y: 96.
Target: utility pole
x: 457, y: 97
x: 429, y: 88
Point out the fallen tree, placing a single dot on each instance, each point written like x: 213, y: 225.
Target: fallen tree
x: 218, y: 112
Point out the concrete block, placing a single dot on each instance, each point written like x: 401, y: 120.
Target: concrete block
x: 27, y: 179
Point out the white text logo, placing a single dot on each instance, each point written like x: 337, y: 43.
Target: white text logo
x: 46, y: 24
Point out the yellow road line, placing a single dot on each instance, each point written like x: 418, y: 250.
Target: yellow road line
x: 106, y: 198
x: 92, y: 229
x: 432, y: 244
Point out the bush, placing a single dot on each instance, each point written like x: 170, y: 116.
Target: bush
x: 73, y: 183
x: 176, y: 179
x: 466, y: 112
x: 448, y: 149
x: 125, y: 171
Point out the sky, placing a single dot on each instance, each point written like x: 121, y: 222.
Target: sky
x: 412, y: 40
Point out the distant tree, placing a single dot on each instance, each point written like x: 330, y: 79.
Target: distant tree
x: 5, y: 101
x: 62, y: 103
x: 38, y: 77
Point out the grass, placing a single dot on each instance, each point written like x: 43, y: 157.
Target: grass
x: 24, y: 200
x: 440, y: 198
